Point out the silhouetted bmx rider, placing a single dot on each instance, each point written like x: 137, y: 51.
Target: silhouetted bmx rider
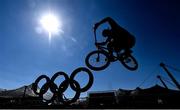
x: 117, y: 37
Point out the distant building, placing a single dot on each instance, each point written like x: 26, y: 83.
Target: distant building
x: 153, y: 97
x: 22, y: 97
x: 102, y: 99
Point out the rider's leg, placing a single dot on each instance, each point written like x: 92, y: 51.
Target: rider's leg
x: 110, y: 49
x: 127, y: 50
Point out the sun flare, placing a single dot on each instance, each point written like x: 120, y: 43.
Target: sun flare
x: 51, y: 24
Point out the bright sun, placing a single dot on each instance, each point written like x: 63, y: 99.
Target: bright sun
x: 51, y: 24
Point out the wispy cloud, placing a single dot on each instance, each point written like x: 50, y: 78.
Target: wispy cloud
x: 73, y: 39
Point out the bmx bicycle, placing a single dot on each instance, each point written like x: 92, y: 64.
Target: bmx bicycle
x: 100, y: 59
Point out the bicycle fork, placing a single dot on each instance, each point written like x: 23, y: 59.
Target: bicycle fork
x: 98, y: 57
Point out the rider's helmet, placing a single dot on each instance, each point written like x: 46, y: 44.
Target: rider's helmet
x: 106, y: 32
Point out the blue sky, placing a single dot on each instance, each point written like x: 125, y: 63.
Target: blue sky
x: 26, y: 53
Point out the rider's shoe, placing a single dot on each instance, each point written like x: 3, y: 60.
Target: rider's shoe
x: 111, y: 58
x: 128, y: 51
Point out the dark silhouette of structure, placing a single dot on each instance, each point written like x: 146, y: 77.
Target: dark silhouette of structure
x: 152, y: 97
x: 159, y: 77
x: 102, y: 99
x: 170, y: 75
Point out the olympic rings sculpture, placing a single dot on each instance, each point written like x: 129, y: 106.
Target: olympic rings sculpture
x: 58, y: 90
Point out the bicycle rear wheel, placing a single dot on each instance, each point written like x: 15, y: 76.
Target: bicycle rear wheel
x: 129, y: 62
x: 97, y: 60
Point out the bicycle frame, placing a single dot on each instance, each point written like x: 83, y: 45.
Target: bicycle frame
x: 103, y: 48
x: 116, y: 57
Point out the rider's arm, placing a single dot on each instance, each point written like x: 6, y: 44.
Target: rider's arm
x: 107, y: 19
x: 104, y: 43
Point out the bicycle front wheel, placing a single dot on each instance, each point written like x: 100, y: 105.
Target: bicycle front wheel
x: 97, y: 60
